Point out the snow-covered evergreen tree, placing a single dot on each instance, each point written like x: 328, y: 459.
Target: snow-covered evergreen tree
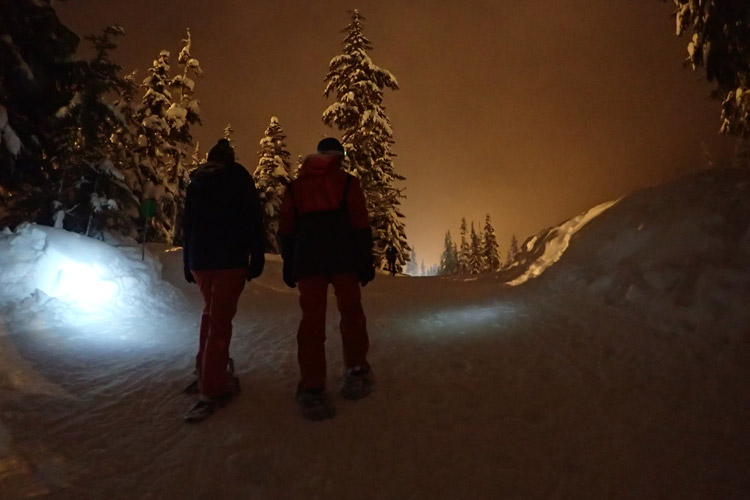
x: 272, y: 175
x: 155, y: 149
x: 421, y: 269
x: 93, y: 190
x: 490, y: 254
x: 196, y: 159
x: 228, y: 132
x: 358, y: 84
x: 720, y: 43
x: 512, y: 251
x: 229, y: 135
x: 456, y: 259
x: 463, y: 249
x: 37, y: 71
x: 164, y: 119
x: 182, y: 115
x: 411, y: 268
x: 475, y: 264
x: 448, y: 264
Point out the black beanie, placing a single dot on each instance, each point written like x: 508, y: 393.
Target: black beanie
x: 222, y: 152
x: 330, y: 144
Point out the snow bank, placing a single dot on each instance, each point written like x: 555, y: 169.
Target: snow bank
x: 72, y: 279
x: 555, y: 243
x: 679, y: 253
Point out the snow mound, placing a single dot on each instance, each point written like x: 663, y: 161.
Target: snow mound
x: 71, y: 278
x: 679, y: 252
x: 541, y: 251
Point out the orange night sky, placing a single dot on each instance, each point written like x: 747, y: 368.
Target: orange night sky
x: 530, y: 111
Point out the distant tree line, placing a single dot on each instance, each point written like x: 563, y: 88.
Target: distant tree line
x: 89, y: 149
x: 476, y: 252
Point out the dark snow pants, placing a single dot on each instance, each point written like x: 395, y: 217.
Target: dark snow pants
x: 311, y: 335
x: 221, y: 290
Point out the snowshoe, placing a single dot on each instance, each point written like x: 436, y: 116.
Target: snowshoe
x: 315, y: 404
x: 358, y: 382
x: 192, y: 387
x: 203, y: 409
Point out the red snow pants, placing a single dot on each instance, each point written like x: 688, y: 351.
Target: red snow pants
x: 311, y: 335
x: 221, y: 290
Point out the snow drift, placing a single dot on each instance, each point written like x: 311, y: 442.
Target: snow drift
x: 69, y: 278
x: 678, y: 253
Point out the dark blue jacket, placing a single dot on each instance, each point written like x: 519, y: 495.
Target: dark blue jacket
x: 223, y: 225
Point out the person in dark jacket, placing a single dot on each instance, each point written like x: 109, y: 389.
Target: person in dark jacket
x: 223, y: 246
x: 325, y: 237
x: 390, y: 256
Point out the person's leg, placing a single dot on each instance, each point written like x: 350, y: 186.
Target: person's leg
x: 353, y: 323
x: 311, y: 335
x: 225, y: 289
x: 204, y: 279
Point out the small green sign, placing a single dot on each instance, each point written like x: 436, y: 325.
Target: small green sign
x: 148, y: 208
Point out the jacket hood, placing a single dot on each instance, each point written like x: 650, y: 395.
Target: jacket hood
x: 319, y: 164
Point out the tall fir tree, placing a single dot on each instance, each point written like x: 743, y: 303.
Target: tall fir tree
x: 93, y: 190
x: 475, y: 264
x: 513, y: 250
x: 357, y: 85
x: 411, y: 268
x: 196, y: 159
x: 457, y: 266
x: 182, y: 115
x: 155, y: 149
x: 272, y: 176
x: 490, y: 253
x: 463, y: 250
x: 448, y: 264
x: 37, y: 71
x: 229, y: 135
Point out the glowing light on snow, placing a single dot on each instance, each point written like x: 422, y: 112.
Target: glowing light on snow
x: 473, y: 318
x: 61, y: 278
x: 87, y: 285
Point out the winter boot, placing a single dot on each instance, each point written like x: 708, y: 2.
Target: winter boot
x: 192, y: 387
x: 315, y: 404
x: 206, y: 406
x: 358, y: 382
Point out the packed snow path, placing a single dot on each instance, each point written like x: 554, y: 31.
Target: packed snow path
x: 483, y: 391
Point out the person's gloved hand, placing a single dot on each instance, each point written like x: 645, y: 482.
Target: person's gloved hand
x: 189, y: 275
x: 288, y: 275
x: 255, y: 269
x: 366, y: 274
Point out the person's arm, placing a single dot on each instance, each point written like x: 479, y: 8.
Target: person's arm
x: 187, y: 235
x: 285, y: 236
x: 257, y: 243
x: 360, y: 222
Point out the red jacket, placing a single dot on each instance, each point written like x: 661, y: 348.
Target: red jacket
x: 323, y: 224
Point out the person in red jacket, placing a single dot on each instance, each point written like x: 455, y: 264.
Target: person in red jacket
x: 223, y: 245
x: 325, y: 237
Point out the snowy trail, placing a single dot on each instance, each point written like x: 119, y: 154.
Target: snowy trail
x: 483, y: 391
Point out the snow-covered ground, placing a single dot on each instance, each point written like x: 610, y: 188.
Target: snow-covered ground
x: 620, y: 371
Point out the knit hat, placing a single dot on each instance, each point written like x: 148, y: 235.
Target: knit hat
x: 330, y: 145
x: 222, y: 152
